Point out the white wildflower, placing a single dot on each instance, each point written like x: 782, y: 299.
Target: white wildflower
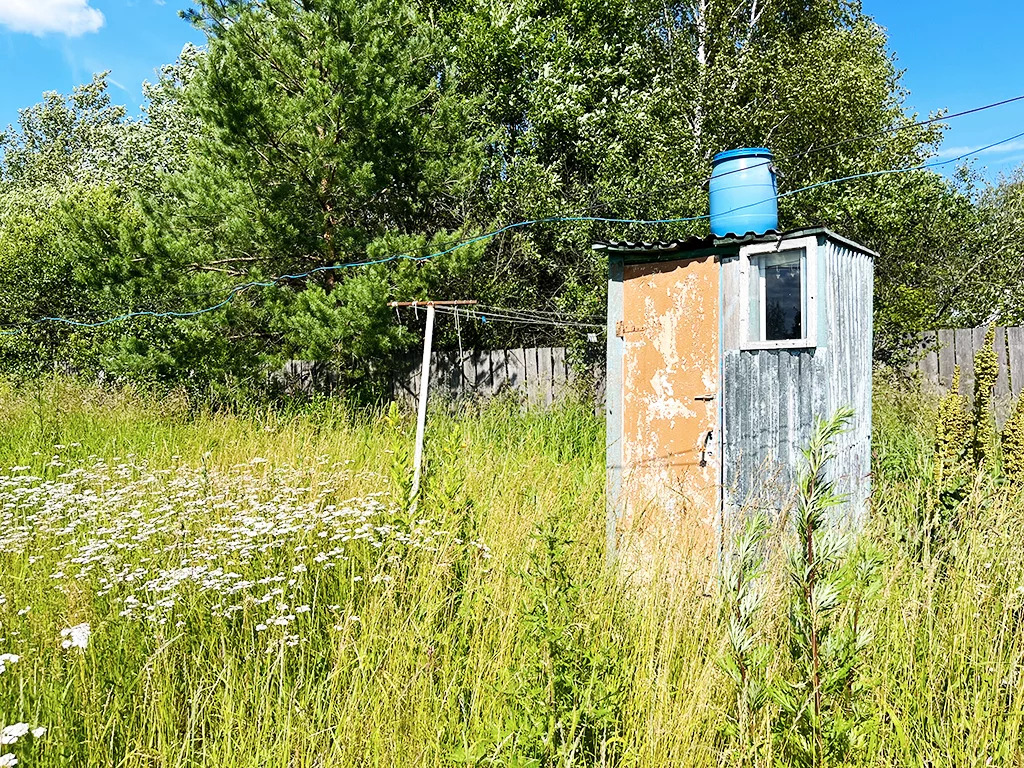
x: 11, y: 733
x: 76, y: 636
x: 39, y: 732
x: 8, y: 760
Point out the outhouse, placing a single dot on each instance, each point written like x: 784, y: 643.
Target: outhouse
x: 722, y: 353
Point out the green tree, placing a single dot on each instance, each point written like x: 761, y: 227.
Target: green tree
x: 616, y: 109
x: 328, y: 132
x: 329, y: 136
x: 76, y: 242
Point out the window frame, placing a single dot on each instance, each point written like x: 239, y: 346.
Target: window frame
x: 750, y: 265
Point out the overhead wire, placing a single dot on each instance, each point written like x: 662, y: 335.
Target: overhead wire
x: 540, y: 314
x: 904, y: 127
x: 238, y: 289
x: 513, y: 316
x: 489, y: 318
x: 876, y: 134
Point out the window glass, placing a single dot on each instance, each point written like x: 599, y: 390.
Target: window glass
x: 777, y: 296
x: 783, y: 304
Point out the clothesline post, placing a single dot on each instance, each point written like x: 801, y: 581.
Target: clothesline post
x: 421, y: 412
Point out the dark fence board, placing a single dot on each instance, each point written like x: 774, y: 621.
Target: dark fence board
x: 963, y: 345
x: 930, y: 360
x: 517, y: 368
x: 499, y: 370
x: 958, y: 347
x: 1003, y: 380
x: 1015, y: 350
x: 947, y: 357
x: 544, y: 375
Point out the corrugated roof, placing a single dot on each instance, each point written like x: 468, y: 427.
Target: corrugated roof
x: 694, y: 243
x: 691, y: 243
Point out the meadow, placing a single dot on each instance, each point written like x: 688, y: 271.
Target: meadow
x: 180, y: 587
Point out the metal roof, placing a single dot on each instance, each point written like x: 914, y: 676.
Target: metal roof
x: 694, y: 243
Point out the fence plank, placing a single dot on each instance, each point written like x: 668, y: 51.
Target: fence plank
x: 499, y: 370
x: 530, y: 380
x: 559, y: 373
x: 517, y: 369
x: 963, y: 346
x: 1015, y: 343
x: 1003, y: 380
x: 545, y: 392
x: 929, y: 362
x: 484, y: 375
x: 469, y: 381
x: 439, y: 374
x: 947, y: 357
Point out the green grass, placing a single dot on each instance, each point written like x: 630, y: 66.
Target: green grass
x: 481, y: 627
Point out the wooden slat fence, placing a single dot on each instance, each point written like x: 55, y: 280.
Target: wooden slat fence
x: 542, y: 375
x: 948, y: 348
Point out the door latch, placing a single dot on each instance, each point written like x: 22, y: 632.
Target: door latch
x: 704, y: 449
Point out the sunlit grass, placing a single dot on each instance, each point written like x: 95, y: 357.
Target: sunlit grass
x: 257, y: 592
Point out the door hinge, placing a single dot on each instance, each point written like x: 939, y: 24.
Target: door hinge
x: 621, y: 329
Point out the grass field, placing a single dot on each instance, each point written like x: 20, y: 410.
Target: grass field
x: 252, y: 590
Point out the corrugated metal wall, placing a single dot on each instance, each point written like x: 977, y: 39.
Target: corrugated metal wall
x: 772, y: 397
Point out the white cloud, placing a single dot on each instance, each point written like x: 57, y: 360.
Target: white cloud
x: 67, y: 17
x: 980, y: 149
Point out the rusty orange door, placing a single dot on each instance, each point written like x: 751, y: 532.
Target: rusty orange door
x: 670, y: 372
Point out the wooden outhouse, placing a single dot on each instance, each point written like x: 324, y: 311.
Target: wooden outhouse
x: 722, y: 353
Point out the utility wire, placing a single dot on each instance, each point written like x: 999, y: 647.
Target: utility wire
x: 492, y: 318
x: 514, y: 317
x: 875, y: 134
x: 898, y: 128
x: 541, y: 314
x: 236, y: 290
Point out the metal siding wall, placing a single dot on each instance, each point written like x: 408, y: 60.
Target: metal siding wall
x: 773, y: 397
x: 850, y: 296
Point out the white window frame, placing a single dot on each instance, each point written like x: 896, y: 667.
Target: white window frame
x: 749, y: 257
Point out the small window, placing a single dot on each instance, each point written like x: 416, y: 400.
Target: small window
x: 779, y: 297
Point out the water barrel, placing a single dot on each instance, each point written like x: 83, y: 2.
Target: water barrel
x: 743, y: 192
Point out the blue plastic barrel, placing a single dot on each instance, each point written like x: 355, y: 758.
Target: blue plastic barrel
x: 744, y: 197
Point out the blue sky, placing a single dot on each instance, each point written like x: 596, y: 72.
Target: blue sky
x: 53, y: 45
x: 956, y: 55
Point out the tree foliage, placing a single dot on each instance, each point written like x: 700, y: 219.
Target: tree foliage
x: 308, y: 135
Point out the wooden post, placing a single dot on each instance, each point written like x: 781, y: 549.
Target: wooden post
x: 421, y: 412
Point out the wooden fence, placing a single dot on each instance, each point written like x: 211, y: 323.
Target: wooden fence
x: 942, y: 350
x: 541, y: 375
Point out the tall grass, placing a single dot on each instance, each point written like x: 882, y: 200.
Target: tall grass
x: 480, y: 628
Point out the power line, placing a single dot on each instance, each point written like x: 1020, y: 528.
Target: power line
x: 875, y: 134
x: 541, y: 314
x: 511, y: 316
x: 897, y: 128
x: 235, y: 291
x: 924, y: 166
